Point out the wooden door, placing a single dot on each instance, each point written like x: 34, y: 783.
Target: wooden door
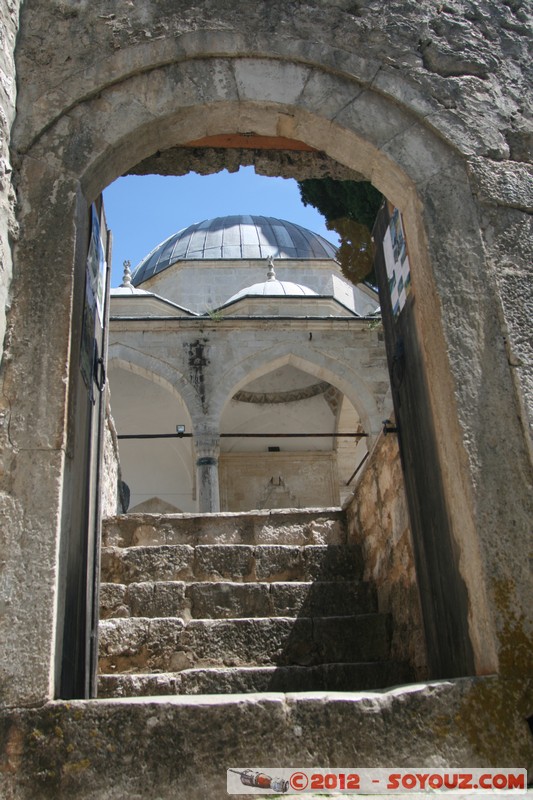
x: 443, y: 593
x: 79, y: 578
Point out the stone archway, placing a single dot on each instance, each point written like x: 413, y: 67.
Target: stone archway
x: 81, y: 137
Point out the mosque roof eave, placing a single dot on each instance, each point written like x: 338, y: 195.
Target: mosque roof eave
x: 128, y: 291
x: 290, y: 301
x: 147, y: 298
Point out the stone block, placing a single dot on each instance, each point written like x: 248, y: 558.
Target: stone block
x: 248, y: 642
x: 144, y: 645
x: 140, y: 644
x: 223, y: 562
x: 321, y: 598
x: 131, y: 685
x: 113, y: 600
x: 323, y: 677
x: 319, y: 94
x: 353, y: 639
x: 370, y: 112
x: 256, y: 527
x: 416, y: 151
x: 181, y: 747
x: 300, y: 528
x: 503, y: 183
x: 279, y: 563
x: 391, y: 83
x: 250, y: 679
x: 159, y: 599
x: 229, y: 600
x: 268, y: 80
x: 136, y: 564
x: 333, y: 562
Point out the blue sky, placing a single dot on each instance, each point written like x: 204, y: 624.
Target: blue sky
x: 144, y: 210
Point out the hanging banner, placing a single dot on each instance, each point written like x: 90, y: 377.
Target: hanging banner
x: 88, y: 336
x: 397, y: 262
x: 96, y: 264
x: 95, y: 283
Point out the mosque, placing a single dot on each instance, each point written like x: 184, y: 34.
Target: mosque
x: 245, y: 371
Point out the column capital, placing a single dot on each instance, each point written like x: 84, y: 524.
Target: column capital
x: 206, y: 445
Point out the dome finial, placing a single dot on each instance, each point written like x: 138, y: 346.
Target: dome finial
x: 271, y: 275
x: 126, y: 280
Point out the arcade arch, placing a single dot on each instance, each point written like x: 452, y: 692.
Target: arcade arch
x: 159, y: 473
x: 156, y: 370
x: 288, y: 465
x: 342, y: 370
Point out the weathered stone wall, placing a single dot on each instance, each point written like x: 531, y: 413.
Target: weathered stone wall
x: 110, y: 469
x: 459, y: 55
x: 424, y: 99
x: 378, y: 521
x: 272, y: 163
x: 505, y: 192
x: 9, y: 13
x: 11, y: 514
x: 181, y: 747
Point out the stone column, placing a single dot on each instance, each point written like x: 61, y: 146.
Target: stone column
x: 207, y: 446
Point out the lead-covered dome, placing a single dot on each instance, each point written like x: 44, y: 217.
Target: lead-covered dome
x: 234, y: 237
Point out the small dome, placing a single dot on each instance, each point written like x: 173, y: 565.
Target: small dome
x: 235, y: 237
x: 272, y: 287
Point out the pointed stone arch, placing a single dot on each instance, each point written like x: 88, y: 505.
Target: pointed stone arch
x: 323, y: 366
x: 153, y: 369
x: 85, y: 133
x: 146, y: 400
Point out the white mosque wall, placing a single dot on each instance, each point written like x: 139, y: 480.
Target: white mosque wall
x: 278, y: 480
x: 203, y: 286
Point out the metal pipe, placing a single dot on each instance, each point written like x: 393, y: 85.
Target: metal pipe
x: 358, y: 467
x: 239, y: 435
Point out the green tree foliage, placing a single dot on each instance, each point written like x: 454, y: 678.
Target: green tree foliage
x: 350, y: 208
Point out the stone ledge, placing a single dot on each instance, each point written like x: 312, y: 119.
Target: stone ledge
x: 170, y: 747
x: 309, y: 526
x: 331, y: 677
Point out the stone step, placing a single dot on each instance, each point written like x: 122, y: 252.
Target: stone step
x: 181, y: 746
x: 254, y: 563
x: 312, y: 526
x: 140, y: 644
x: 234, y: 600
x: 244, y: 680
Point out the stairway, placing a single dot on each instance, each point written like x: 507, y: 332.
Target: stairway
x: 238, y: 603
